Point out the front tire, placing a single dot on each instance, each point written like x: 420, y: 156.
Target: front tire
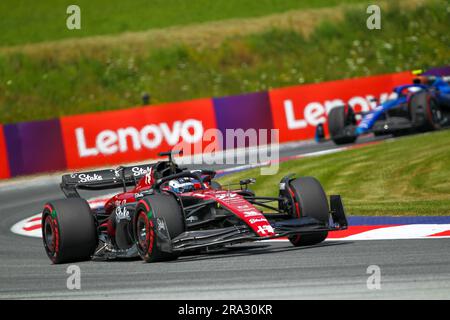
x: 69, y: 231
x: 338, y: 119
x: 425, y: 112
x: 149, y: 208
x: 312, y: 202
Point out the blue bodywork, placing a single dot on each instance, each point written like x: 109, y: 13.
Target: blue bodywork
x: 439, y: 89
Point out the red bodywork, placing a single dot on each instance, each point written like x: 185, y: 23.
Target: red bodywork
x: 230, y: 200
x: 240, y: 207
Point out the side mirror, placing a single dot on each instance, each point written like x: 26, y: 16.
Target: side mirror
x: 170, y: 154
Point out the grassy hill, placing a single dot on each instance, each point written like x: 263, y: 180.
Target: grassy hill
x: 317, y: 42
x: 408, y: 176
x: 24, y: 21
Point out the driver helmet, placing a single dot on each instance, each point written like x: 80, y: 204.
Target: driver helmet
x: 414, y: 89
x: 181, y: 185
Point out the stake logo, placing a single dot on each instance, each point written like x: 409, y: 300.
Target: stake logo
x: 122, y: 214
x: 138, y: 171
x: 84, y: 177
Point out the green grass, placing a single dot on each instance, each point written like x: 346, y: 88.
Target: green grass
x: 408, y: 176
x: 72, y: 80
x: 25, y: 21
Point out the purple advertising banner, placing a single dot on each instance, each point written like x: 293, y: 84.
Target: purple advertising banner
x: 440, y: 71
x: 34, y: 147
x: 249, y: 111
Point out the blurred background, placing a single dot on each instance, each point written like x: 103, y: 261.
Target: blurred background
x: 173, y: 50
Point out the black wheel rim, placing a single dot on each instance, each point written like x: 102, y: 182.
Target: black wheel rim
x: 49, y: 235
x: 142, y: 231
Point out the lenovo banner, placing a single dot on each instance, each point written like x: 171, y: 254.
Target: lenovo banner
x: 4, y: 168
x: 135, y: 134
x: 296, y: 111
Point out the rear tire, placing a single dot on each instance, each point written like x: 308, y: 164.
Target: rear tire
x: 312, y: 202
x: 69, y: 231
x: 152, y: 207
x: 338, y: 119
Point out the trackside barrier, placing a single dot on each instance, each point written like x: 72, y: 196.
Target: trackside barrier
x: 34, y: 147
x: 135, y: 134
x: 140, y: 133
x: 4, y: 166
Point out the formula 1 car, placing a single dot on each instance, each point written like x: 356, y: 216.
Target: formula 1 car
x: 421, y: 106
x: 169, y: 210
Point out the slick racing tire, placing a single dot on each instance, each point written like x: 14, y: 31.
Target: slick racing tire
x: 69, y: 231
x: 425, y: 112
x: 147, y: 211
x: 312, y: 202
x: 338, y: 119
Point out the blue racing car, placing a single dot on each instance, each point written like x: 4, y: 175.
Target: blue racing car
x: 421, y: 106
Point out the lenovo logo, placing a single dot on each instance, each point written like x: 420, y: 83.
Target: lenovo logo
x: 315, y: 112
x: 108, y: 142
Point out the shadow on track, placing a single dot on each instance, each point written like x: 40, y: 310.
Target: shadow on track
x: 249, y: 250
x: 230, y: 252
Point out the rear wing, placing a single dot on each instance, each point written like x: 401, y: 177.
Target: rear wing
x: 103, y: 179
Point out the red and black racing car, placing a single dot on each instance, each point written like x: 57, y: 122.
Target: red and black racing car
x: 164, y: 210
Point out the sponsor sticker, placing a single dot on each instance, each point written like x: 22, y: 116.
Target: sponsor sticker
x: 265, y: 230
x: 252, y: 221
x: 251, y: 213
x: 84, y: 177
x: 139, y: 171
x: 122, y: 214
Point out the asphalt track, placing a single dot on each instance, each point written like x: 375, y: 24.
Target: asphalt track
x: 410, y: 269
